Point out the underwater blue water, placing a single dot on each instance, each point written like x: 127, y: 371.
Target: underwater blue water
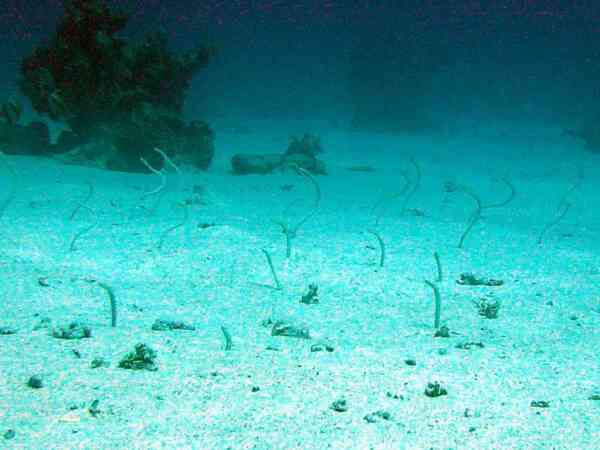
x: 435, y: 286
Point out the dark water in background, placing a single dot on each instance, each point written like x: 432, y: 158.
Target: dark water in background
x: 382, y: 65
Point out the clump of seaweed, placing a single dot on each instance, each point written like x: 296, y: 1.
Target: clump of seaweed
x: 141, y: 358
x: 128, y: 95
x: 488, y: 307
x: 308, y: 144
x: 301, y: 152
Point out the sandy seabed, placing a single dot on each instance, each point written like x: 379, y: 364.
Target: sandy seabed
x: 359, y: 382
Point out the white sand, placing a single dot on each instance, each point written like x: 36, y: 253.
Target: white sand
x: 545, y: 345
